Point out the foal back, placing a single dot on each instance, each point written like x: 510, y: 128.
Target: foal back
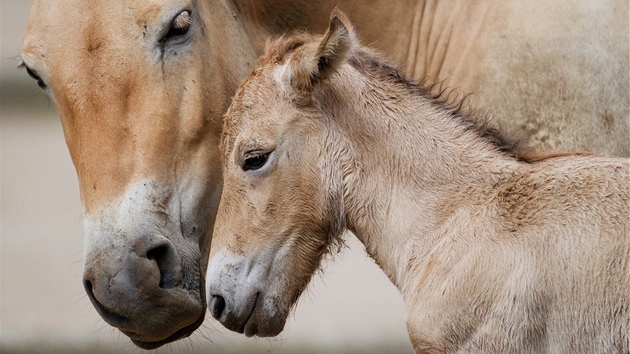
x: 543, y: 267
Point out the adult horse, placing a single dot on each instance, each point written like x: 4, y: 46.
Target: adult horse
x: 494, y: 247
x: 141, y: 87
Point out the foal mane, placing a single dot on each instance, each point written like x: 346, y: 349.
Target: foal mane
x: 451, y: 100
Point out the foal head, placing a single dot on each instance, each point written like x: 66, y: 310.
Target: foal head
x: 276, y: 217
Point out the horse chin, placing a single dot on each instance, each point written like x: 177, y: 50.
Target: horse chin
x: 163, y: 325
x: 180, y: 334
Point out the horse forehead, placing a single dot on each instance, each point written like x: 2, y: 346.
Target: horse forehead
x: 70, y: 12
x: 66, y: 24
x: 81, y: 43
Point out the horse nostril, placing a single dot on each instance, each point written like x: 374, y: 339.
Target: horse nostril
x: 164, y: 257
x: 217, y: 304
x: 88, y: 288
x: 109, y: 316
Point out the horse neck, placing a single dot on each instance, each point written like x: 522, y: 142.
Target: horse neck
x: 278, y: 17
x: 410, y: 32
x: 403, y: 162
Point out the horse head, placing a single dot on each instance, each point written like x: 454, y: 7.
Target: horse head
x: 141, y: 101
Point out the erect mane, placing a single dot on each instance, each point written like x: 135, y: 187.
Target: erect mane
x: 450, y: 100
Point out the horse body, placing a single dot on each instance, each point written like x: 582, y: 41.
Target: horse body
x: 141, y: 88
x: 494, y: 247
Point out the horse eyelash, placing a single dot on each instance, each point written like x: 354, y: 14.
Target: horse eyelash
x: 33, y: 74
x: 178, y: 29
x: 252, y: 156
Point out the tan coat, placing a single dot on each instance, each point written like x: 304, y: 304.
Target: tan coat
x: 141, y: 87
x: 495, y: 248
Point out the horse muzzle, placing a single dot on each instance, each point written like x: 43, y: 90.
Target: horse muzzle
x: 142, y: 291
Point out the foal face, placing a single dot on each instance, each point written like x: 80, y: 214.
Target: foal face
x: 276, y: 216
x: 270, y: 231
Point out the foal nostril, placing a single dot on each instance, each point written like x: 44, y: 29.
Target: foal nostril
x: 166, y: 260
x: 217, y: 304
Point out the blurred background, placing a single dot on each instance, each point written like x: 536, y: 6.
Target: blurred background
x: 350, y: 307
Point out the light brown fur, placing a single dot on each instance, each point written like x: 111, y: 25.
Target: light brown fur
x: 142, y: 116
x: 495, y: 249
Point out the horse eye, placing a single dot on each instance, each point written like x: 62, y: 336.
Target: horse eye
x: 34, y: 75
x: 180, y: 25
x: 254, y: 161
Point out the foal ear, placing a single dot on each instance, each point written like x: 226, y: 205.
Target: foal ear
x: 322, y: 61
x: 336, y: 45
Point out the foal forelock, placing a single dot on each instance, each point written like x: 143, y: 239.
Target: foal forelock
x: 277, y: 50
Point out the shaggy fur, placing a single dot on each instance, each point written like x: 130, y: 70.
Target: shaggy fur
x: 141, y: 88
x: 495, y: 248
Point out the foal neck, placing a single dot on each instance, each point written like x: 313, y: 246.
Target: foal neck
x: 410, y: 161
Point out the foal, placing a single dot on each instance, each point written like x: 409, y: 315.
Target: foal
x: 494, y: 248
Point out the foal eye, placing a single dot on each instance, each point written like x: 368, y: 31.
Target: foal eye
x: 179, y: 26
x: 254, y: 160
